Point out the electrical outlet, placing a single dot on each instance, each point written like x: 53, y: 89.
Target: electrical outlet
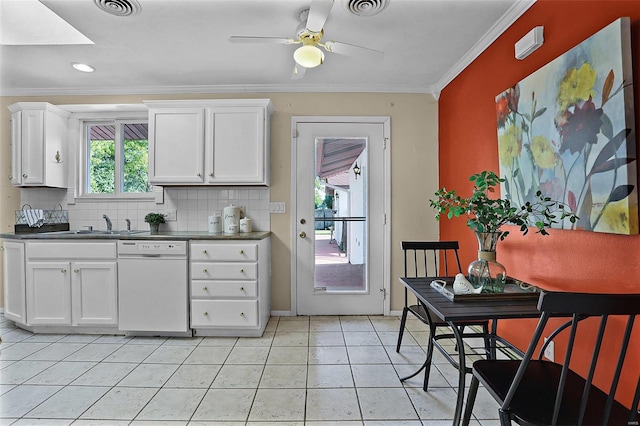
x: 549, y: 351
x: 171, y: 215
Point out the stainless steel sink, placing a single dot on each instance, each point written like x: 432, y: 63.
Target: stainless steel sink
x: 95, y: 232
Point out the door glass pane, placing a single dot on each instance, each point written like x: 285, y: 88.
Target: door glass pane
x: 136, y: 158
x: 340, y: 215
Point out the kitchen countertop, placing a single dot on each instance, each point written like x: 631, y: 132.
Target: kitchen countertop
x: 167, y: 235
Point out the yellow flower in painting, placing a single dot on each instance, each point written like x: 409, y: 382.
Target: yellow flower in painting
x: 543, y: 154
x: 616, y: 219
x: 577, y: 85
x: 510, y: 145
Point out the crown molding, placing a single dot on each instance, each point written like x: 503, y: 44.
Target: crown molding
x: 219, y: 89
x: 512, y: 15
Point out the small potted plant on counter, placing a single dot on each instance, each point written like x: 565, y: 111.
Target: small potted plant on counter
x: 154, y: 220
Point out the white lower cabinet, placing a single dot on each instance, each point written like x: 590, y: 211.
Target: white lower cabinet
x: 14, y: 281
x: 78, y: 292
x: 230, y: 287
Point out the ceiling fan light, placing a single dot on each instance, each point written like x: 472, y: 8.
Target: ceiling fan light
x: 308, y: 56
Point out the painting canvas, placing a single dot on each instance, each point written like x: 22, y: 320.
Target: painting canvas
x: 568, y: 131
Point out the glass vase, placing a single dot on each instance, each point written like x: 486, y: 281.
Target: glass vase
x: 486, y: 273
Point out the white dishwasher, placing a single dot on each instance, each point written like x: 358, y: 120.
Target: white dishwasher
x: 153, y: 295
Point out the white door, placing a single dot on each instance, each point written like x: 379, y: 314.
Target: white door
x: 340, y: 250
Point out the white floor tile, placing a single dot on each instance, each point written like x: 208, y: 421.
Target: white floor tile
x: 248, y: 355
x: 284, y: 376
x: 361, y: 338
x: 265, y: 340
x: 21, y: 371
x: 6, y: 388
x: 120, y: 403
x: 290, y: 338
x: 238, y: 376
x: 79, y: 338
x: 42, y: 422
x: 105, y: 374
x: 437, y: 404
x: 149, y: 375
x: 61, y: 373
x: 131, y: 353
x: 329, y: 376
x: 219, y: 341
x: 328, y: 355
x: 293, y: 326
x: 69, y: 403
x: 353, y: 323
x: 22, y: 399
x: 326, y: 338
x: 170, y: 354
x: 172, y: 404
x: 19, y: 351
x: 278, y: 405
x: 94, y: 352
x: 225, y: 405
x: 288, y: 355
x: 55, y: 351
x: 385, y: 404
x: 332, y: 404
x: 81, y: 422
x: 193, y: 376
x: 208, y: 355
x: 368, y: 355
x: 45, y: 338
x: 375, y: 376
x: 407, y: 355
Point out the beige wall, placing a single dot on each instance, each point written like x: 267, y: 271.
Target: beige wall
x: 414, y: 161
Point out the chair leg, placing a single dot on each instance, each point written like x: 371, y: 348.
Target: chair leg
x: 505, y: 418
x: 403, y: 322
x: 471, y: 400
x: 427, y: 362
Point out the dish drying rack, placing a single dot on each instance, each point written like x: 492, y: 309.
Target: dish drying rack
x: 54, y: 220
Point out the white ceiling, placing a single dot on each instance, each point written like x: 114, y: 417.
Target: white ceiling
x: 181, y: 46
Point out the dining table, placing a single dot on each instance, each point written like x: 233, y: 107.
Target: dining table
x: 519, y: 300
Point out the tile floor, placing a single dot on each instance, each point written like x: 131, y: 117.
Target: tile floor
x: 340, y: 371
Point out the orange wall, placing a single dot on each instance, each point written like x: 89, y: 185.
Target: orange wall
x: 567, y: 260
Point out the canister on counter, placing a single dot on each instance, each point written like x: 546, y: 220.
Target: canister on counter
x: 246, y: 225
x: 231, y: 219
x: 215, y: 223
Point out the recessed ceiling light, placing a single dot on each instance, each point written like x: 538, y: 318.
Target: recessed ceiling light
x: 82, y: 67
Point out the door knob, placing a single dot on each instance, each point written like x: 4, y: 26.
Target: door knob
x: 303, y: 234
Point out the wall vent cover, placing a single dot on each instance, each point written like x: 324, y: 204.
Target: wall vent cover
x: 119, y: 7
x: 365, y: 7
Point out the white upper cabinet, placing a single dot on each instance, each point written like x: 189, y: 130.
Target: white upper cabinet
x: 38, y: 145
x: 212, y: 142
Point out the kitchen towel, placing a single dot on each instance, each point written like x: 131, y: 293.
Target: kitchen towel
x: 35, y: 217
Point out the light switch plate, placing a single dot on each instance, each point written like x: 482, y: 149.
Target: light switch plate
x: 171, y: 215
x: 278, y: 207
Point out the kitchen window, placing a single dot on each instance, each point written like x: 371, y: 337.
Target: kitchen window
x: 116, y: 159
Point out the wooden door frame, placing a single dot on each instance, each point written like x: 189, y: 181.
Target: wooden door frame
x: 386, y: 250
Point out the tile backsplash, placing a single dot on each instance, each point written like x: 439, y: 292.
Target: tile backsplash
x: 193, y: 206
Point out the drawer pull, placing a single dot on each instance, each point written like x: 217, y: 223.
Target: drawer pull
x: 241, y: 288
x: 242, y: 271
x: 205, y: 288
x: 241, y: 251
x: 199, y: 174
x: 64, y: 271
x: 76, y: 270
x: 205, y: 271
x: 24, y: 175
x: 241, y: 314
x: 205, y: 314
x: 204, y: 252
x: 211, y: 174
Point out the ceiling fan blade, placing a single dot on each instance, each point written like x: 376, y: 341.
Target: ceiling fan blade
x: 351, y: 49
x: 298, y: 72
x: 250, y: 39
x: 318, y: 14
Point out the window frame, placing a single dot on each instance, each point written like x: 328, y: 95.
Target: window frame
x: 117, y: 118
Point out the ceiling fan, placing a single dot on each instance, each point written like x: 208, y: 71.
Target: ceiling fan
x: 309, y: 34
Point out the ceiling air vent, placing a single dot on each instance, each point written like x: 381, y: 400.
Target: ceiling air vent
x: 365, y: 7
x: 119, y: 7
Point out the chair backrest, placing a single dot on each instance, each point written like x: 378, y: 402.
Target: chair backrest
x: 425, y: 258
x: 582, y: 307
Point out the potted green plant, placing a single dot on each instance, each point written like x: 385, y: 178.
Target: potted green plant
x: 486, y: 215
x: 154, y: 220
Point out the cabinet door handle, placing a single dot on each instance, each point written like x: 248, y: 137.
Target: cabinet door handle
x: 76, y: 270
x: 205, y: 271
x: 205, y: 314
x: 24, y: 175
x: 64, y: 271
x: 241, y: 288
x: 241, y: 314
x: 204, y: 252
x: 199, y: 174
x: 241, y: 251
x: 211, y: 174
x: 242, y: 271
x: 205, y: 288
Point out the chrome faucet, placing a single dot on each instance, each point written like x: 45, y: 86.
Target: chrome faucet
x: 109, y: 225
x: 128, y: 224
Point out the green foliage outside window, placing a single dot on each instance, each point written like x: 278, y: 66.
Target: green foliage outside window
x: 102, y: 167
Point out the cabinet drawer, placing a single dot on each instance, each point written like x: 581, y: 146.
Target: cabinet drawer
x: 71, y: 250
x: 223, y: 271
x: 224, y: 252
x: 224, y: 313
x: 239, y: 289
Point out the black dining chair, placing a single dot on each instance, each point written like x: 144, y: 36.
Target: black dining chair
x: 533, y: 391
x: 424, y: 259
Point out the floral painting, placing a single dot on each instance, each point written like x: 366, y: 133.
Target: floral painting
x: 568, y: 131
